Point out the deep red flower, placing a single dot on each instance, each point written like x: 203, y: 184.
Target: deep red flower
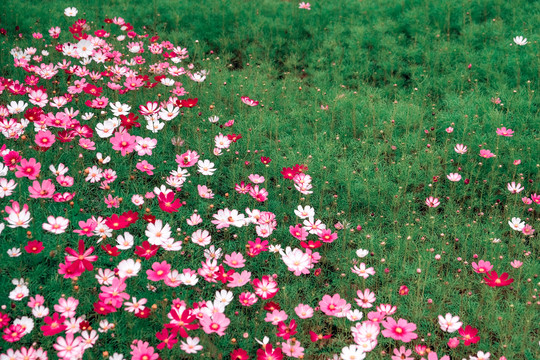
x: 143, y: 314
x: 93, y: 90
x: 494, y: 280
x: 234, y: 137
x: 300, y: 168
x: 33, y: 114
x: 130, y: 216
x: 239, y: 354
x: 187, y: 102
x: 34, y: 247
x: 146, y: 250
x: 84, y: 325
x: 265, y: 160
x: 130, y: 121
x: 271, y: 306
x: 469, y: 335
x: 111, y: 250
x: 116, y: 222
x: 149, y: 218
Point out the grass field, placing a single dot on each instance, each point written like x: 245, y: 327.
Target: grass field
x: 377, y: 99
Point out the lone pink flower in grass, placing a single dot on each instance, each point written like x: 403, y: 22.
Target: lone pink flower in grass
x: 159, y: 271
x: 81, y: 260
x: 432, y: 202
x: 123, y: 142
x: 400, y: 330
x: 486, y: 154
x: 246, y: 100
x: 44, y: 190
x: 483, y: 267
x: 44, y: 139
x: 28, y: 168
x: 494, y: 280
x: 218, y: 323
x: 141, y: 350
x: 505, y: 132
x: 516, y: 264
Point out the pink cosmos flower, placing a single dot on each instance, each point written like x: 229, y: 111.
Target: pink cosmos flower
x: 205, y: 192
x: 194, y: 220
x: 433, y: 356
x: 256, y: 179
x: 453, y: 177
x: 123, y: 142
x: 362, y: 271
x: 486, y: 154
x: 142, y: 351
x: 365, y: 298
x: 87, y: 144
x: 306, y: 6
x: 292, y: 347
x: 159, y: 271
x: 298, y: 232
x: 483, y: 267
x: 238, y: 280
x: 505, y: 132
x: 114, y: 295
x: 247, y: 298
x: 146, y: 167
x: 276, y: 316
x: 332, y: 305
x: 28, y: 168
x: 303, y: 311
x: 266, y: 287
x: 235, y: 260
x: 432, y: 202
x: 326, y: 235
x: 218, y: 323
x: 69, y: 347
x: 66, y: 307
x: 187, y: 159
x: 246, y: 100
x: 44, y: 190
x: 44, y: 139
x: 402, y: 354
x: 400, y: 330
x: 517, y: 162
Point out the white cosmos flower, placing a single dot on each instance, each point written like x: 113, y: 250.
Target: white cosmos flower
x: 71, y: 11
x: 520, y: 40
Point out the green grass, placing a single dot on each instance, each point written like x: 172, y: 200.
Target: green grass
x: 394, y: 75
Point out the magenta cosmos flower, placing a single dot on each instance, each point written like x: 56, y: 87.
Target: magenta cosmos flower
x: 400, y: 330
x: 333, y: 305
